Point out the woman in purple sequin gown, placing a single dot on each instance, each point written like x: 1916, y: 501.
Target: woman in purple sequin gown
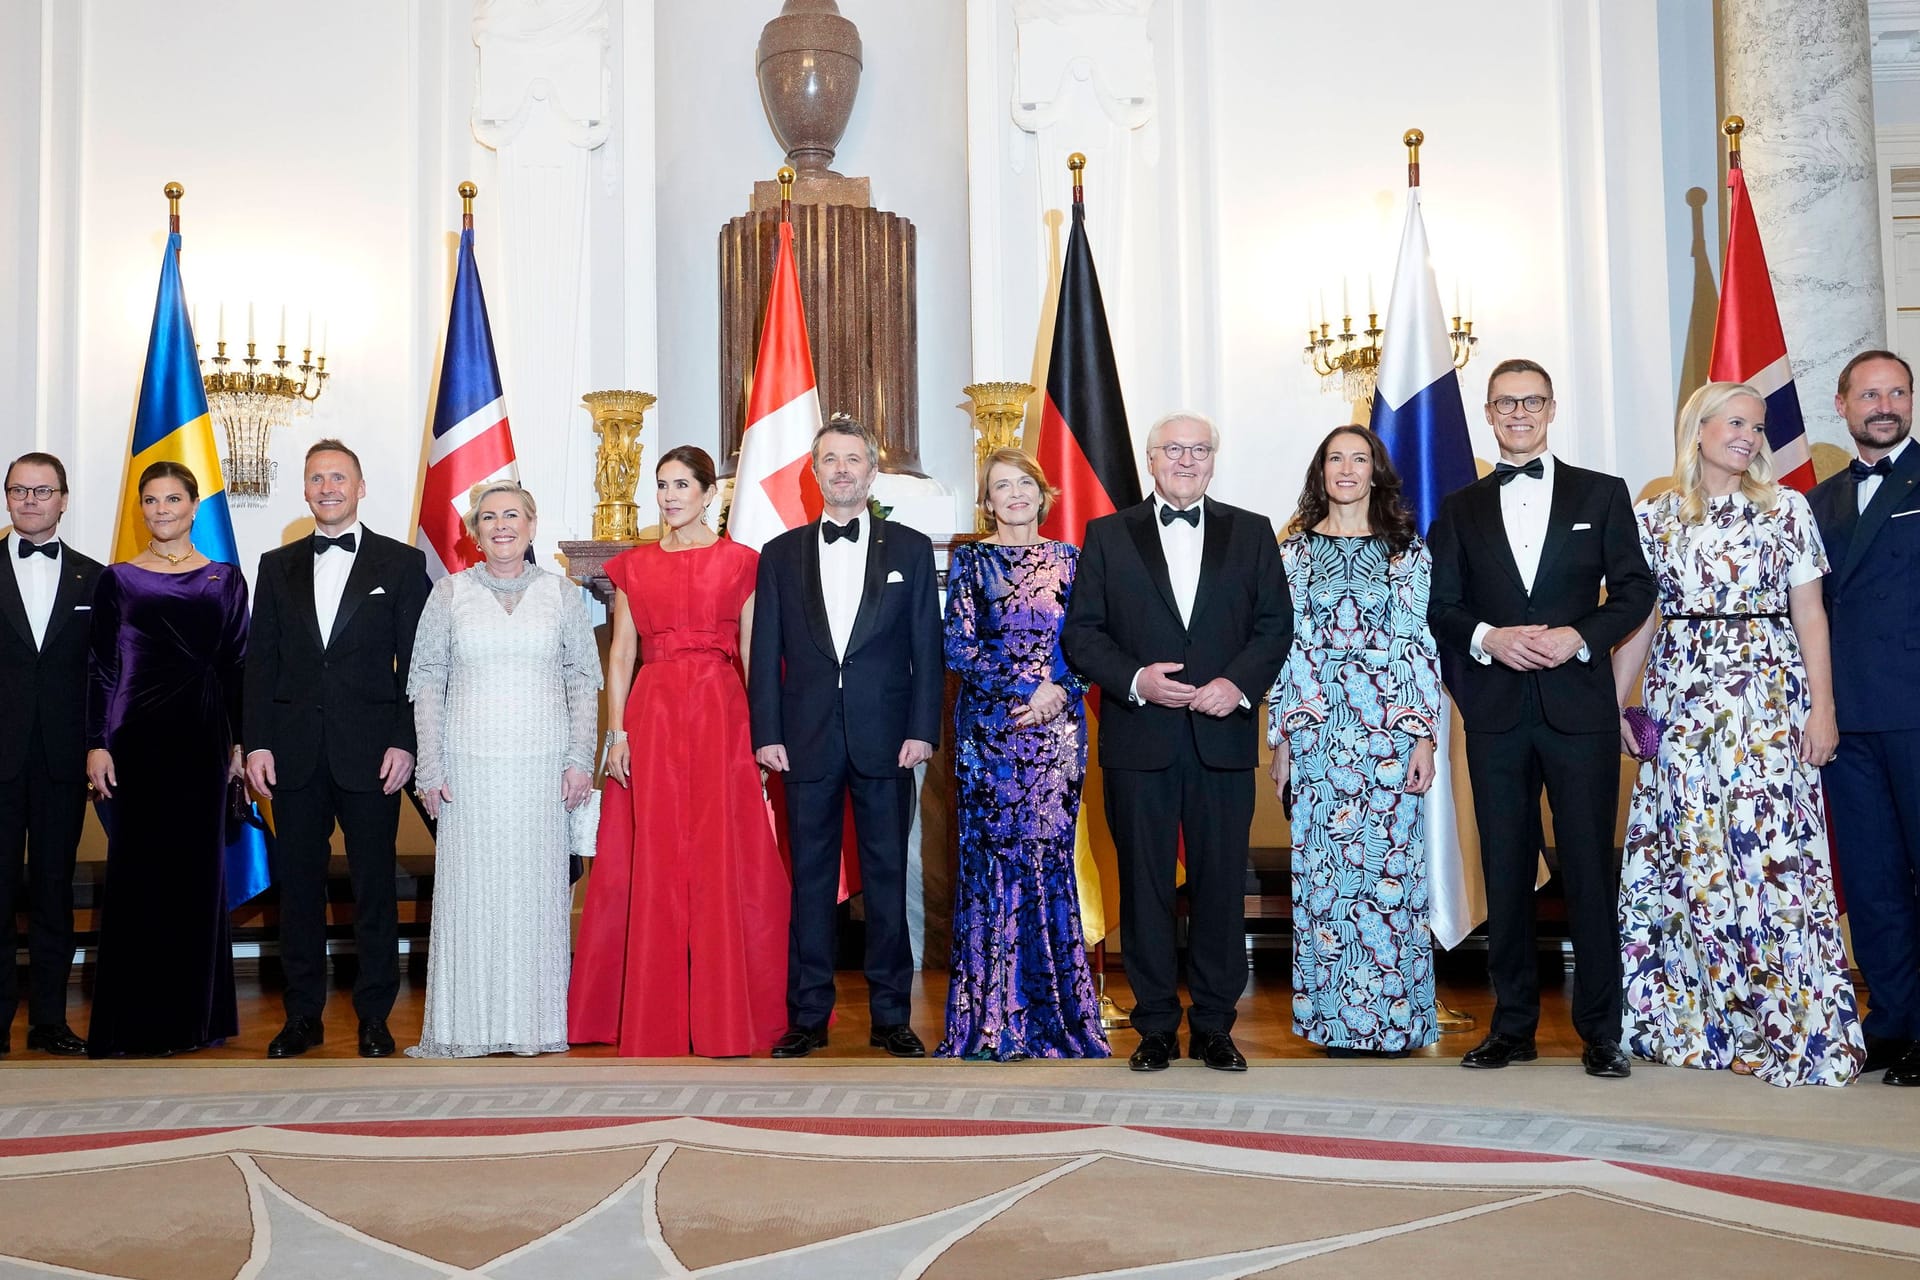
x: 169, y: 641
x: 1020, y: 984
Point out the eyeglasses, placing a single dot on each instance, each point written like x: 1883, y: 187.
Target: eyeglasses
x: 1181, y: 452
x: 40, y: 492
x: 1507, y: 404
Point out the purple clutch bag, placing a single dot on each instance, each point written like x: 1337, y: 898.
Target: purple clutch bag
x: 1646, y: 732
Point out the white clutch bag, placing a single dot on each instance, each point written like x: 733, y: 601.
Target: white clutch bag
x: 583, y: 826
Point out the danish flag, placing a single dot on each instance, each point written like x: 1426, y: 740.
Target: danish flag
x: 774, y: 488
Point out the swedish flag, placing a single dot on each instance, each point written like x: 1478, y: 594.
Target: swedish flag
x: 172, y: 424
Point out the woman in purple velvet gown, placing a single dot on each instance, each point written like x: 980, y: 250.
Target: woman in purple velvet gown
x: 1020, y: 985
x: 163, y: 707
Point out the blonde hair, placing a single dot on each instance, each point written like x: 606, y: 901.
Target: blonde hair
x: 481, y: 492
x: 1023, y: 462
x: 1757, y: 484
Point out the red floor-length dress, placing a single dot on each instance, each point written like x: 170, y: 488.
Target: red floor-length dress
x: 683, y: 943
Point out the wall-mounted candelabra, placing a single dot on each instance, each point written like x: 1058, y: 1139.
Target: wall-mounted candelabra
x: 250, y: 402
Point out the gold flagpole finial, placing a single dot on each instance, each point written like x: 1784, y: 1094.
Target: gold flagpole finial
x: 173, y: 191
x: 1733, y: 127
x: 1412, y: 139
x: 1077, y: 163
x: 467, y: 192
x: 785, y: 178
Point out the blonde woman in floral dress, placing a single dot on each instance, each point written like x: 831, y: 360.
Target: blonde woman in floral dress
x: 1732, y: 943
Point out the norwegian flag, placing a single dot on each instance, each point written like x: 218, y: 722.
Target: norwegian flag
x: 471, y: 440
x: 1748, y: 344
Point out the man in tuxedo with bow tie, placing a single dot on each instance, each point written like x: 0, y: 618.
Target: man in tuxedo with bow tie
x: 1180, y: 613
x: 46, y: 593
x: 1869, y: 517
x: 845, y: 692
x: 1520, y: 558
x: 330, y: 739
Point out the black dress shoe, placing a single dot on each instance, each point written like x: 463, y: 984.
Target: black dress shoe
x: 1605, y: 1059
x: 1498, y: 1050
x: 897, y: 1038
x: 1216, y: 1049
x: 1883, y: 1052
x: 56, y: 1038
x: 298, y: 1036
x: 375, y: 1040
x: 1156, y: 1052
x: 799, y: 1042
x: 1906, y: 1072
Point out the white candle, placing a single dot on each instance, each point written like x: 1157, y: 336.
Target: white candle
x: 193, y: 322
x: 1456, y: 296
x: 249, y: 322
x: 309, y: 328
x: 325, y: 325
x: 223, y: 323
x: 1309, y: 314
x: 1323, y: 306
x: 1371, y: 309
x: 1469, y: 311
x: 283, y: 324
x: 1346, y: 307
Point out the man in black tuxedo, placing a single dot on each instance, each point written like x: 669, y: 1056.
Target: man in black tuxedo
x: 845, y: 693
x: 1180, y: 613
x: 1869, y: 517
x: 1519, y: 560
x: 46, y: 593
x: 330, y: 739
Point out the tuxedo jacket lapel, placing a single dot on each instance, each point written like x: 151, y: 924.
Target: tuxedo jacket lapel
x: 872, y: 588
x: 11, y: 603
x: 300, y: 590
x: 361, y: 579
x: 814, y: 595
x: 1217, y: 533
x: 65, y: 597
x: 1492, y: 525
x: 1559, y: 523
x: 1893, y: 490
x: 1146, y: 539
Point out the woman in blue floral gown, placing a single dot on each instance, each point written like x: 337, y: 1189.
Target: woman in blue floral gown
x: 1020, y: 984
x: 1351, y: 720
x: 1727, y: 915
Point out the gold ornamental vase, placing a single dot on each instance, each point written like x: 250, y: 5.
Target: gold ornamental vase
x: 617, y: 418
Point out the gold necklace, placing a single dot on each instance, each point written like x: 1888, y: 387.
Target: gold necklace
x: 185, y: 556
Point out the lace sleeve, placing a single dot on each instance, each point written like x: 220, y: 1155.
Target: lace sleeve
x: 580, y: 674
x: 427, y: 684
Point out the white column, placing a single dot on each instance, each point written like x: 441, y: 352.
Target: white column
x: 1799, y: 71
x: 541, y: 102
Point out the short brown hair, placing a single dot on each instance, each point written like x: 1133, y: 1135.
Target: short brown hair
x: 1519, y: 364
x: 167, y: 468
x: 1846, y: 373
x: 330, y: 445
x: 38, y: 459
x: 841, y: 424
x: 694, y: 459
x: 1023, y: 462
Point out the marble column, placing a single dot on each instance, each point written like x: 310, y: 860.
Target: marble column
x: 1800, y: 72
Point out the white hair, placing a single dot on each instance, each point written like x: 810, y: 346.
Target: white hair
x: 1184, y: 415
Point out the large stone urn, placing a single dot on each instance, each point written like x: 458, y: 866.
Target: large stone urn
x: 809, y: 72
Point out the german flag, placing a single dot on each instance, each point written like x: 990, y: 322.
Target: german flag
x: 1087, y: 453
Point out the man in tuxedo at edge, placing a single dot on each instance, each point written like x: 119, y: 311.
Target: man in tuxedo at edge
x: 846, y: 698
x: 1180, y: 613
x: 46, y: 594
x: 330, y: 739
x: 1519, y: 560
x: 1869, y: 517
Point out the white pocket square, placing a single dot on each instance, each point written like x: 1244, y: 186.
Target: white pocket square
x: 1583, y: 525
x: 895, y: 577
x: 77, y: 608
x: 378, y: 591
x: 1898, y: 514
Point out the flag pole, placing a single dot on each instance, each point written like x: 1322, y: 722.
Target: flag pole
x: 1733, y: 127
x: 173, y: 191
x: 467, y: 192
x: 1448, y: 1019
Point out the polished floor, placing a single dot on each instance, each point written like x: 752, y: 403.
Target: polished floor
x: 1263, y: 1029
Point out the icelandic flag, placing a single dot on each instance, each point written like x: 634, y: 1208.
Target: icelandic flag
x: 1420, y: 418
x: 472, y: 442
x: 1748, y: 344
x: 171, y: 424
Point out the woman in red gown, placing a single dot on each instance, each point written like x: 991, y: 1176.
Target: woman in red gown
x: 683, y: 943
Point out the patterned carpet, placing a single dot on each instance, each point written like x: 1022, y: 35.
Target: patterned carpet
x: 858, y: 1169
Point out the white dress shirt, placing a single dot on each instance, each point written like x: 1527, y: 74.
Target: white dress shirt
x: 39, y: 580
x: 843, y: 575
x: 1525, y: 504
x: 1182, y: 544
x: 1865, y: 490
x: 330, y: 570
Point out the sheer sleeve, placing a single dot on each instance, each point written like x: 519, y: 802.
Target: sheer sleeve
x: 427, y: 683
x: 580, y: 675
x: 1412, y: 654
x: 103, y: 659
x: 1298, y: 683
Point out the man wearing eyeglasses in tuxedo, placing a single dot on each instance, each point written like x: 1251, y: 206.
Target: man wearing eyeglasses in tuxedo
x: 46, y: 596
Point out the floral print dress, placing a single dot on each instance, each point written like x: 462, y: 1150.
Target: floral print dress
x: 1361, y: 685
x: 1727, y: 918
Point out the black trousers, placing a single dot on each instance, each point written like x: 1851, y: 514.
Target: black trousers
x: 303, y: 822
x: 882, y: 818
x: 1149, y: 811
x: 40, y: 820
x: 1873, y: 795
x: 1582, y: 776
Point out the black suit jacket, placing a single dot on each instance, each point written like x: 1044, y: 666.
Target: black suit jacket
x: 890, y: 686
x: 1873, y: 596
x: 348, y: 690
x: 1122, y: 616
x: 1591, y: 540
x: 46, y: 685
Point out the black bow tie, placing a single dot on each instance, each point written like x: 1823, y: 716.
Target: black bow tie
x: 1504, y: 472
x: 50, y: 548
x: 834, y: 532
x: 322, y: 543
x: 1191, y: 515
x: 1857, y: 469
